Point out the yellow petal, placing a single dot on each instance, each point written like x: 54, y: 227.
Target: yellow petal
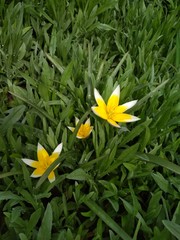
x: 56, y: 153
x: 100, y: 111
x: 53, y: 157
x: 38, y: 172
x: 113, y: 123
x: 99, y: 99
x: 124, y: 118
x: 30, y: 162
x: 84, y: 134
x: 84, y: 131
x: 113, y: 100
x: 119, y: 109
x: 42, y: 153
x: 51, y: 177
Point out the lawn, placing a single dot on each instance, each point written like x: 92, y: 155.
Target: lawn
x: 73, y: 163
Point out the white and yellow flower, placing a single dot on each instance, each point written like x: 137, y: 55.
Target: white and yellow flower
x: 85, y: 129
x: 44, y: 161
x: 112, y: 111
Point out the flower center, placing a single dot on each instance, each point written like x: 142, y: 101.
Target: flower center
x: 110, y: 112
x: 46, y: 163
x: 84, y: 130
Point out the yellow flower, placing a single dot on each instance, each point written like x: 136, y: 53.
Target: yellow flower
x: 44, y: 161
x: 84, y: 130
x: 113, y: 112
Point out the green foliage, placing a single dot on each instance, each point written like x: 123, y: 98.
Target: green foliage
x: 118, y: 183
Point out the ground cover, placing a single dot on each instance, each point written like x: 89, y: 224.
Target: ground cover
x: 117, y: 183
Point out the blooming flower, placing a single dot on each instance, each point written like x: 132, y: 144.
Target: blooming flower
x: 113, y: 112
x: 44, y: 161
x: 84, y: 130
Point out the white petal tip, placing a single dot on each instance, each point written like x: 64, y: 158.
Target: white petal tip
x: 134, y: 119
x: 94, y: 110
x: 117, y: 90
x: 52, y: 180
x: 88, y: 121
x: 130, y: 104
x: 95, y: 91
x: 58, y: 149
x: 76, y: 120
x: 35, y: 176
x: 80, y: 137
x: 40, y: 146
x: 27, y: 161
x: 71, y: 128
x: 97, y: 95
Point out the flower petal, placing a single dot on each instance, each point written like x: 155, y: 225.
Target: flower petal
x: 91, y: 128
x: 113, y: 100
x: 84, y: 131
x: 51, y: 177
x: 76, y: 121
x: 42, y: 153
x: 122, y: 117
x: 113, y: 123
x: 71, y: 128
x: 100, y: 111
x: 119, y: 109
x: 88, y: 122
x: 79, y: 136
x: 134, y: 119
x: 38, y: 172
x: 58, y: 149
x: 129, y: 105
x: 30, y: 162
x: 53, y: 157
x: 99, y: 99
x: 56, y: 153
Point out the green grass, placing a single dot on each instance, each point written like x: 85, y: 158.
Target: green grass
x: 118, y: 183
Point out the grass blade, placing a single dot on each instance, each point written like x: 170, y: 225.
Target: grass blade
x: 107, y: 219
x: 174, y: 228
x: 46, y: 225
x: 159, y: 161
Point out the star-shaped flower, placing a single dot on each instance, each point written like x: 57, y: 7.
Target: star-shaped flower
x: 113, y: 112
x: 44, y: 161
x: 84, y: 130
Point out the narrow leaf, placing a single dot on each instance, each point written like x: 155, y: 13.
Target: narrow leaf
x: 13, y: 117
x: 6, y: 195
x: 46, y: 225
x: 159, y: 161
x: 107, y: 219
x: 78, y: 174
x: 174, y: 228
